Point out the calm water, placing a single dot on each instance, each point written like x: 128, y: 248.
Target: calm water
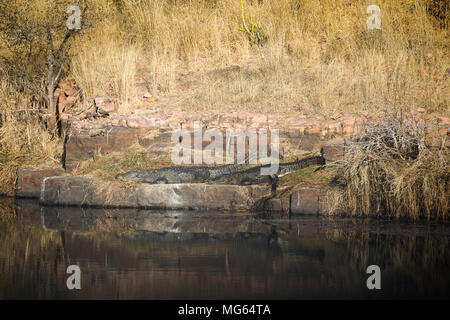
x: 130, y: 254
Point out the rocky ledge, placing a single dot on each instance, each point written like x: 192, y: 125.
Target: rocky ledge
x: 91, y: 192
x: 55, y: 188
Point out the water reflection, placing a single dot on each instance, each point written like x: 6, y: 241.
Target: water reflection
x: 131, y: 254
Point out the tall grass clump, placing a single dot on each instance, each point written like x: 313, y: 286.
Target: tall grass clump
x: 25, y: 141
x: 106, y: 64
x: 389, y: 170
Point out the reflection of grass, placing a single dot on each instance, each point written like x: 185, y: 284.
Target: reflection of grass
x: 108, y: 166
x: 7, y: 214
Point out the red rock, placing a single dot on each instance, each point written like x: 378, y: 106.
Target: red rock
x: 313, y: 130
x: 29, y: 181
x: 337, y: 115
x: 305, y: 201
x: 109, y: 107
x: 141, y: 123
x: 335, y: 127
x: 443, y: 120
x: 347, y: 129
x: 348, y: 120
x: 81, y: 145
x: 99, y: 100
x: 64, y: 116
x: 68, y: 92
x: 358, y: 128
x: 57, y: 92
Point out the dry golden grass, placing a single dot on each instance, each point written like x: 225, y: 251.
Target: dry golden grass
x: 25, y: 142
x: 320, y: 57
x: 105, y: 65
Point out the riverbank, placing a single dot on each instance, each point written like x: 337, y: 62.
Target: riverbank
x: 96, y: 149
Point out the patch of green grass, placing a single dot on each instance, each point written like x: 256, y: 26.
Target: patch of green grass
x: 304, y: 177
x: 108, y: 166
x: 307, y: 176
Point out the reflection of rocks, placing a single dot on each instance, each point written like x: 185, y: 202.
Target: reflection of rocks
x: 130, y: 220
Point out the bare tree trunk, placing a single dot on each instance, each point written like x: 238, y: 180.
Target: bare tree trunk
x: 50, y: 98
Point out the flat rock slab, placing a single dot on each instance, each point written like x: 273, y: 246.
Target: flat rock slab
x: 90, y: 192
x: 29, y: 181
x: 309, y: 201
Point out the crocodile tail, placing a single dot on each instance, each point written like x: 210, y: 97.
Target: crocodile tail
x: 305, y: 162
x: 300, y: 164
x: 238, y: 166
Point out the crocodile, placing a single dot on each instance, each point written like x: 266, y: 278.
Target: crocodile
x: 254, y: 176
x: 227, y: 174
x: 179, y: 174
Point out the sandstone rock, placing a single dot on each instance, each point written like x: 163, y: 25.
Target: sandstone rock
x: 86, y: 192
x: 347, y: 130
x: 196, y: 196
x: 313, y: 130
x: 259, y: 120
x: 89, y: 192
x: 337, y: 116
x: 109, y: 107
x: 99, y: 100
x: 144, y: 123
x: 333, y: 152
x: 277, y: 205
x: 156, y: 139
x: 80, y: 145
x: 29, y: 181
x: 305, y: 201
x: 64, y: 116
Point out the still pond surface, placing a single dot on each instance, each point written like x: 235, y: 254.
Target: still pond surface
x: 132, y: 254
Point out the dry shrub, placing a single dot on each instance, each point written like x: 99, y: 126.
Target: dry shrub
x: 389, y: 171
x: 24, y: 141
